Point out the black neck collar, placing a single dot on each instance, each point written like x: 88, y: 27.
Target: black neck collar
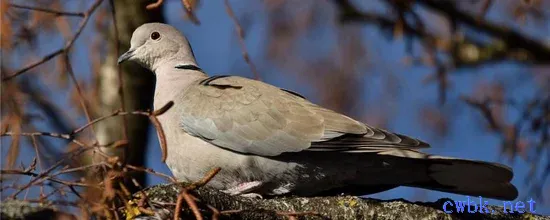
x: 188, y: 67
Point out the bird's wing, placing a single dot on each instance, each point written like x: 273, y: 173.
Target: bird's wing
x: 253, y: 117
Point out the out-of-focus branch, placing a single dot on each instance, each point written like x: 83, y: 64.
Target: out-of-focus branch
x: 483, y: 107
x: 349, y: 13
x: 157, y: 4
x: 240, y: 34
x: 538, y: 52
x: 465, y: 51
x: 48, y: 10
x: 67, y: 46
x: 71, y: 136
x: 32, y: 174
x: 188, y: 5
x: 81, y: 98
x: 116, y: 168
x: 531, y: 128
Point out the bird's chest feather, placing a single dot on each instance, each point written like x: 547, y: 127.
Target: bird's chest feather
x: 191, y: 158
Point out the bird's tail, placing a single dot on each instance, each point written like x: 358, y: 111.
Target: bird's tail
x: 469, y: 177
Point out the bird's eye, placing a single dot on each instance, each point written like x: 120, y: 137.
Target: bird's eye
x: 155, y: 35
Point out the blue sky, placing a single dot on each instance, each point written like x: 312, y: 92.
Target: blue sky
x: 217, y: 51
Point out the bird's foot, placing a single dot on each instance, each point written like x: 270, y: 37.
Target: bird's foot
x: 243, y: 189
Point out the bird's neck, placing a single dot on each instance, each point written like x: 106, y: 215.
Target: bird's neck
x: 171, y: 81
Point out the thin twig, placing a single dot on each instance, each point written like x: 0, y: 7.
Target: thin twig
x: 215, y: 212
x: 163, y: 109
x: 115, y: 113
x: 76, y: 169
x: 48, y: 134
x: 81, y: 99
x: 90, y: 123
x: 39, y: 161
x: 160, y: 130
x: 240, y: 34
x: 154, y: 5
x: 56, y: 202
x: 538, y: 51
x: 146, y: 211
x: 32, y: 174
x: 152, y: 118
x: 151, y: 171
x: 179, y: 204
x: 229, y: 212
x: 211, y: 174
x: 49, y: 170
x: 43, y: 60
x: 485, y: 7
x: 47, y: 10
x: 35, y: 145
x: 485, y: 110
x: 162, y: 138
x: 189, y: 11
x: 67, y: 46
x: 189, y: 199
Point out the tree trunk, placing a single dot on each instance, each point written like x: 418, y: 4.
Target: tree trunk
x: 138, y: 87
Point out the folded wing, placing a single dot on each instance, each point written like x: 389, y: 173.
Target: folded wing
x: 252, y: 117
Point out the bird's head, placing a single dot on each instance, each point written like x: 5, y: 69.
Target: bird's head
x: 154, y: 44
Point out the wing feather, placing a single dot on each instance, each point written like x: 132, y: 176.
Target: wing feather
x: 252, y: 117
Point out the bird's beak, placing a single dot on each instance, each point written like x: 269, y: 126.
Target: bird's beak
x: 125, y: 56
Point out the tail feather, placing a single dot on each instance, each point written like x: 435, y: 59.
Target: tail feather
x: 468, y: 177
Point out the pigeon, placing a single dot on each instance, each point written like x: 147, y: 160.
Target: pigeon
x: 270, y: 141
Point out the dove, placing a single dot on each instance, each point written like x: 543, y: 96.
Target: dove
x: 270, y: 141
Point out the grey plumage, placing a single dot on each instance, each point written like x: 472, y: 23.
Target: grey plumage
x: 248, y: 116
x: 271, y: 141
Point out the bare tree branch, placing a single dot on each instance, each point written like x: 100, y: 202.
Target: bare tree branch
x: 67, y: 46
